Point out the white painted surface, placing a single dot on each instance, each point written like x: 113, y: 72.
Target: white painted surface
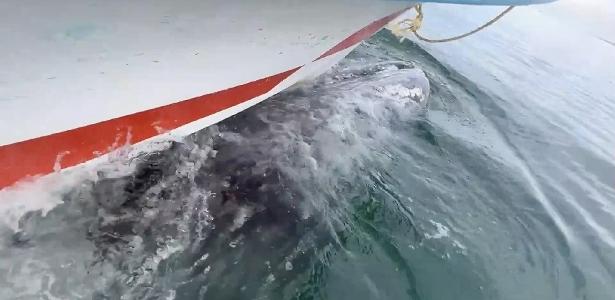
x: 71, y: 63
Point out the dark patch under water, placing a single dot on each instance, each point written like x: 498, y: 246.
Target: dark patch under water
x: 346, y: 187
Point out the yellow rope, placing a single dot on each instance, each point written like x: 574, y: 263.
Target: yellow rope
x: 415, y: 24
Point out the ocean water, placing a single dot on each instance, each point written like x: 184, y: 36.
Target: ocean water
x: 481, y: 169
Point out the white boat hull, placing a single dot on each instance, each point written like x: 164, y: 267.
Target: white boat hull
x: 81, y: 79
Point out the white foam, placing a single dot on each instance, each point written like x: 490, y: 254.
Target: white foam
x: 441, y: 231
x: 43, y: 193
x: 459, y: 245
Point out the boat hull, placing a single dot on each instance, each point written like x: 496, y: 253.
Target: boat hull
x: 87, y: 78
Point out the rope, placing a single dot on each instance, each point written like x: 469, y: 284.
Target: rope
x: 415, y: 24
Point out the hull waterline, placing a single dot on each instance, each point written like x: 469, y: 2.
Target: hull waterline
x: 87, y: 78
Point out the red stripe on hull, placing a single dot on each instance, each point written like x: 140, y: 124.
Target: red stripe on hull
x: 69, y: 148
